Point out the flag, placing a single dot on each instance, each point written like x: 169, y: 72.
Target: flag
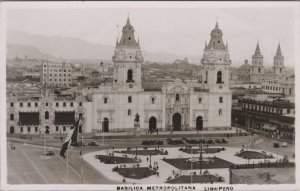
x: 71, y: 138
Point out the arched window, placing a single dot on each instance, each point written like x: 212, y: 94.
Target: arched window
x: 177, y: 97
x: 129, y: 75
x: 280, y: 70
x: 219, y: 77
x: 129, y: 112
x: 258, y: 70
x: 220, y: 112
x: 46, y: 115
x: 12, y: 117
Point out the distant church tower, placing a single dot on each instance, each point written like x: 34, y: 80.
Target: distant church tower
x: 257, y: 66
x: 278, y: 63
x: 216, y: 62
x: 127, y: 60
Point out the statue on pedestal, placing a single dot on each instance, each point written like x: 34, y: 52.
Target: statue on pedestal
x: 137, y: 119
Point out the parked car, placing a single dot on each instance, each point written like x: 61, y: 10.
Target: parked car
x: 218, y: 141
x: 78, y: 144
x: 94, y: 143
x: 210, y: 142
x: 224, y: 140
x: 49, y: 153
x: 284, y: 144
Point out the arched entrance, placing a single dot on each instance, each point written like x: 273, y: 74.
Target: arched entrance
x: 152, y: 123
x: 105, y: 127
x: 199, y: 123
x: 47, y: 130
x: 11, y: 130
x: 176, y: 122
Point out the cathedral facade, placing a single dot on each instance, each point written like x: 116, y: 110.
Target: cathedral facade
x: 176, y: 106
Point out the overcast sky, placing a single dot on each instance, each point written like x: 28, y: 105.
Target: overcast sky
x: 176, y: 30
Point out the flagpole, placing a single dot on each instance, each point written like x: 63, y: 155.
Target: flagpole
x: 81, y: 156
x: 68, y: 163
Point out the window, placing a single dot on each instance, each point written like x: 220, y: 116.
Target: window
x: 177, y: 97
x: 129, y: 112
x: 35, y: 104
x: 12, y: 117
x: 57, y: 104
x: 46, y: 103
x: 258, y: 70
x: 57, y: 128
x: 80, y: 103
x: 220, y: 112
x: 290, y: 91
x: 219, y: 77
x: 46, y: 115
x: 22, y: 129
x: 64, y: 104
x: 153, y: 100
x: 11, y: 104
x: 28, y: 129
x: 199, y: 99
x: 129, y: 75
x: 36, y: 129
x: 71, y: 104
x: 288, y: 111
x: 220, y: 99
x: 64, y: 128
x: 80, y: 116
x: 105, y: 100
x: 21, y: 104
x: 129, y: 99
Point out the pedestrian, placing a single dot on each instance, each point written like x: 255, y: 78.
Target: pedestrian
x: 147, y: 159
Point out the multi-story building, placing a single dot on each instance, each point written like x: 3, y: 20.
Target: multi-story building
x: 54, y: 74
x: 275, y: 116
x: 44, y: 114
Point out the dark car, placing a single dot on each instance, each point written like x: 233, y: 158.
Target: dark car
x: 224, y: 141
x: 218, y: 141
x: 78, y: 144
x: 49, y: 153
x: 210, y: 142
x: 94, y: 143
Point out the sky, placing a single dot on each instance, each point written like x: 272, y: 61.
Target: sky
x: 181, y: 31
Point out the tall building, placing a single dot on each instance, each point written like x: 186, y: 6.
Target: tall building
x: 54, y: 74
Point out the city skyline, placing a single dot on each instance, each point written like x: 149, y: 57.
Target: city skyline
x: 179, y: 31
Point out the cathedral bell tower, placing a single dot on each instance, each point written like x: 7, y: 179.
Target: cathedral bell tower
x: 257, y: 66
x: 216, y: 63
x: 278, y: 63
x: 127, y: 60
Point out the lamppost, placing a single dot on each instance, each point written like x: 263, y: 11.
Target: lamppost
x: 102, y: 133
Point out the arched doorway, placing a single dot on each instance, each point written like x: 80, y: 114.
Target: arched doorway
x: 105, y: 127
x: 199, y: 123
x: 11, y: 130
x: 152, y: 123
x: 176, y: 122
x: 47, y: 130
